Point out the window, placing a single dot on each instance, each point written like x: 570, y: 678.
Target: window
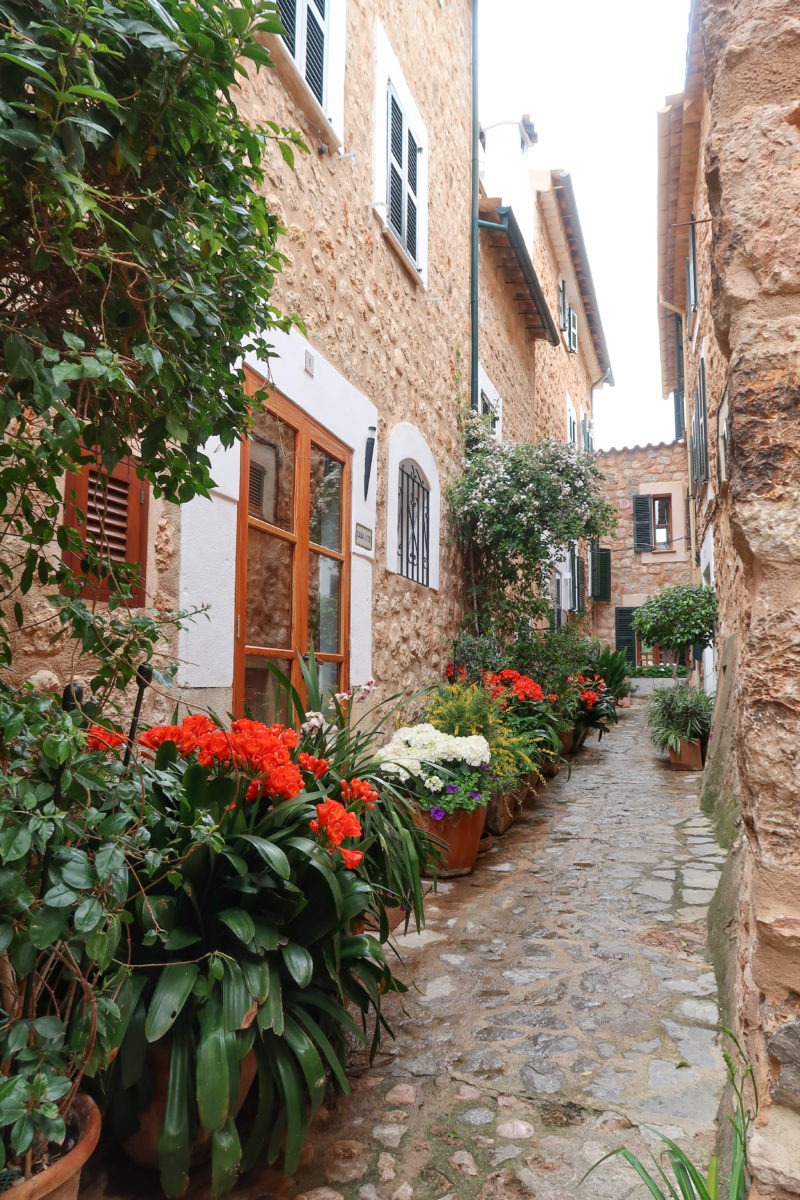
x: 400, y: 162
x: 625, y: 634
x: 413, y: 524
x: 662, y: 522
x: 678, y: 394
x: 652, y: 523
x: 600, y: 573
x: 293, y: 562
x: 572, y: 423
x: 698, y: 443
x: 586, y: 436
x: 402, y: 198
x: 563, y: 307
x: 111, y: 512
x: 306, y: 36
x: 491, y: 409
x: 572, y: 331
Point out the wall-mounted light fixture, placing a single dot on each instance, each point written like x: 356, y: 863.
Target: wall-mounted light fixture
x: 369, y: 453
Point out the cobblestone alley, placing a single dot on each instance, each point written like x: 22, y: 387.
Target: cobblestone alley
x: 562, y: 998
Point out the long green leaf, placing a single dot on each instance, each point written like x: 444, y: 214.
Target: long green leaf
x: 174, y: 1143
x: 226, y: 1154
x: 272, y: 855
x: 293, y: 1105
x: 310, y: 1062
x: 171, y: 993
x: 321, y: 1039
x: 299, y: 963
x: 237, y: 1002
x: 270, y: 1014
x: 259, y: 1130
x: 213, y: 1079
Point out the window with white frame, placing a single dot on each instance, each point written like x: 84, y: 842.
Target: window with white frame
x: 413, y: 508
x: 401, y: 153
x: 306, y: 36
x: 490, y: 403
x: 572, y: 423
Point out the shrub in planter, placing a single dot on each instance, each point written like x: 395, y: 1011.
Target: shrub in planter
x: 468, y: 709
x: 237, y: 939
x: 595, y: 707
x: 529, y: 714
x: 613, y: 668
x: 71, y: 832
x: 680, y: 713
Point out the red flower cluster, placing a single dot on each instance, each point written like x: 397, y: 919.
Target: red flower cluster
x: 100, y: 738
x: 359, y: 790
x: 315, y: 766
x: 263, y: 750
x: 451, y: 673
x: 589, y: 698
x: 522, y: 686
x: 336, y: 823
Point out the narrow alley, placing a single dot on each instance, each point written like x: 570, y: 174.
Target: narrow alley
x: 561, y: 999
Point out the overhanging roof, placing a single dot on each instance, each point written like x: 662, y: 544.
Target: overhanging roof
x: 508, y: 244
x: 679, y: 128
x: 561, y: 183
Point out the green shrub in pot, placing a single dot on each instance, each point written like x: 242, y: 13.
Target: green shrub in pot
x: 680, y: 713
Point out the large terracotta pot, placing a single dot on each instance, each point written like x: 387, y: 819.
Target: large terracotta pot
x: 61, y: 1180
x: 142, y: 1146
x: 567, y: 740
x: 462, y: 832
x: 688, y: 758
x: 500, y: 812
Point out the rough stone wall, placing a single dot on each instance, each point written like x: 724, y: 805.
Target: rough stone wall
x: 49, y: 666
x: 752, y: 168
x: 558, y: 371
x: 507, y: 353
x: 405, y: 348
x: 641, y: 470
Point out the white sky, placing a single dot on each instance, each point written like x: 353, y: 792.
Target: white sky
x: 593, y: 74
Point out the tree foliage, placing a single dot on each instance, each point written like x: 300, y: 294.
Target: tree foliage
x: 678, y: 616
x: 137, y: 255
x: 519, y: 506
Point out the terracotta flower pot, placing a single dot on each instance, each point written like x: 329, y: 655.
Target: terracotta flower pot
x: 688, y: 758
x: 462, y: 832
x: 500, y: 812
x: 567, y: 740
x: 60, y: 1181
x: 142, y: 1146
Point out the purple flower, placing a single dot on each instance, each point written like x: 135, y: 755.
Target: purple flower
x: 451, y: 787
x: 483, y: 767
x: 474, y: 795
x: 437, y: 814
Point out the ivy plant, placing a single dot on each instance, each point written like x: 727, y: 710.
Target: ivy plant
x: 137, y: 258
x: 519, y: 506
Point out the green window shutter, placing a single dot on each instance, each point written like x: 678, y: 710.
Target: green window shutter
x: 581, y: 585
x: 287, y: 10
x: 601, y: 574
x: 692, y: 268
x: 315, y: 48
x: 642, y: 522
x: 562, y: 304
x: 572, y: 337
x: 702, y: 423
x: 625, y: 634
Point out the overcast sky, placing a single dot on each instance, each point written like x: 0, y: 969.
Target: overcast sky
x: 593, y: 74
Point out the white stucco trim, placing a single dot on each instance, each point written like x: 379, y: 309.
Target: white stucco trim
x: 406, y: 442
x: 495, y: 399
x: 388, y: 70
x: 707, y: 575
x: 208, y: 528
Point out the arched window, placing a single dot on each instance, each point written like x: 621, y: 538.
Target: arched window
x: 413, y: 523
x: 413, y: 504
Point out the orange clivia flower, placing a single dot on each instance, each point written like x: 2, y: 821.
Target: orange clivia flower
x: 552, y: 697
x: 351, y: 857
x: 100, y: 738
x: 362, y: 791
x: 335, y: 822
x: 316, y: 766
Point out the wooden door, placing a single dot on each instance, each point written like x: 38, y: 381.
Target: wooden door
x: 293, y: 561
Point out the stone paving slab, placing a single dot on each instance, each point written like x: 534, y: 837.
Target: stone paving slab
x: 561, y: 1003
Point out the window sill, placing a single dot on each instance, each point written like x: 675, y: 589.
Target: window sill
x: 292, y: 79
x: 425, y: 587
x: 415, y: 273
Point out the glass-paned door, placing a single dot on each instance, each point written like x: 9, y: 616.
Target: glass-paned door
x: 293, y: 567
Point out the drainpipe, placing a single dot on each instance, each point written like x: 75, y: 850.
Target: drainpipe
x: 475, y: 216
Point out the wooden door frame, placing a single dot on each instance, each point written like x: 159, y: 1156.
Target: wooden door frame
x: 308, y: 431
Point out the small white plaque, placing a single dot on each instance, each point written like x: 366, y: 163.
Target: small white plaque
x: 363, y: 537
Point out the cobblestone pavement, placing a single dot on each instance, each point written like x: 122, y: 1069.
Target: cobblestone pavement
x: 561, y: 999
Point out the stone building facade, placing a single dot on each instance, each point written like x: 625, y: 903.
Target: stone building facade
x: 650, y: 480
x: 730, y: 174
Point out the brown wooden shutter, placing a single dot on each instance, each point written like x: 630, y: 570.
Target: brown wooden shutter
x: 114, y: 511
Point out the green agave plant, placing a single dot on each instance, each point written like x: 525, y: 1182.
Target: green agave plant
x: 614, y: 667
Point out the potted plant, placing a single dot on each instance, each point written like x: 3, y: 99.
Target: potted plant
x: 69, y: 831
x: 679, y: 721
x: 595, y: 708
x: 239, y: 959
x: 613, y: 667
x: 447, y: 777
x: 530, y: 716
x: 678, y: 617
